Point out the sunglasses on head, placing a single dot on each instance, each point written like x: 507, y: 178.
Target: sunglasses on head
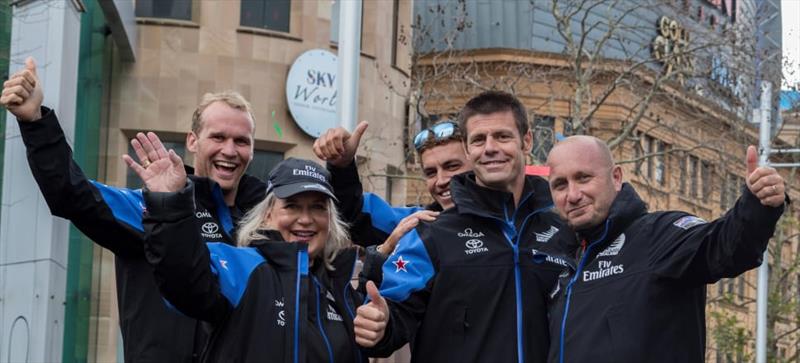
x: 438, y: 132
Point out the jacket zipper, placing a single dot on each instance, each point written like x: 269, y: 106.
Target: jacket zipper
x: 584, y: 252
x: 302, y: 270
x: 349, y: 310
x: 513, y: 240
x: 319, y: 321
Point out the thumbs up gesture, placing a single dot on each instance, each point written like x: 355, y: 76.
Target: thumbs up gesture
x: 22, y: 93
x: 764, y: 182
x: 337, y: 146
x: 371, y: 318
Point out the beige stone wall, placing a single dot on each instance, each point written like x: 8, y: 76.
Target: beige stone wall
x: 178, y: 61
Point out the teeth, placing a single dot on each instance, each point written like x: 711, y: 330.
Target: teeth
x: 225, y: 164
x: 304, y: 234
x: 445, y: 194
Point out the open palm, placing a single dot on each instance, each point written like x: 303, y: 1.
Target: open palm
x: 160, y: 170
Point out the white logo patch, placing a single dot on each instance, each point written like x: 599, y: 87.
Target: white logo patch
x: 605, y: 270
x: 202, y: 214
x: 469, y: 234
x: 329, y: 296
x: 546, y: 235
x: 332, y: 315
x: 209, y: 230
x: 281, y: 321
x: 689, y: 222
x: 556, y: 260
x: 614, y: 247
x: 223, y: 263
x: 475, y: 246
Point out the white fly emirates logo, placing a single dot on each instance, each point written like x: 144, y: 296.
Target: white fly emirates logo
x: 605, y: 269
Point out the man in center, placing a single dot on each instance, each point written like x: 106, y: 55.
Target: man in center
x: 466, y: 286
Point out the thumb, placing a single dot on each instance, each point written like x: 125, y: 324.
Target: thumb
x: 358, y: 132
x: 374, y: 294
x: 30, y: 64
x: 752, y: 159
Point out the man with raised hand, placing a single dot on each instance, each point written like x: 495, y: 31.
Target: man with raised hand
x: 466, y: 286
x: 222, y: 141
x: 637, y: 292
x: 372, y: 219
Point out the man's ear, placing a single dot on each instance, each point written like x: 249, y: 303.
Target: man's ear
x: 616, y: 175
x: 527, y: 142
x: 191, y: 142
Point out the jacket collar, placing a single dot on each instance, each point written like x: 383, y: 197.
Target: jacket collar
x: 471, y: 198
x: 251, y: 190
x: 277, y: 251
x: 626, y: 208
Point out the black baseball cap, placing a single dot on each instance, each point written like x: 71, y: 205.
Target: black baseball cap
x: 293, y: 176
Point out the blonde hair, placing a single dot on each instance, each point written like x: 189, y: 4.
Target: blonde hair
x: 253, y: 221
x: 231, y: 98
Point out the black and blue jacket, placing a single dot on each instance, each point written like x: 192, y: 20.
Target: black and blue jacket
x: 466, y: 287
x: 263, y: 302
x: 112, y: 218
x: 637, y: 292
x: 371, y: 219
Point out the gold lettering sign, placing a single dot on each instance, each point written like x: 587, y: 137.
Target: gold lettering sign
x: 671, y: 47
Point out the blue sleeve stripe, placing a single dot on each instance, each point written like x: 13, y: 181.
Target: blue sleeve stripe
x: 384, y: 216
x: 233, y: 266
x: 126, y: 205
x: 407, y: 270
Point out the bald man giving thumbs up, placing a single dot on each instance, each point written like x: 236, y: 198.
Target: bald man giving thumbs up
x: 636, y: 290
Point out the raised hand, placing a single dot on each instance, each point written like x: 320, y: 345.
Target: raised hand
x: 337, y: 146
x: 371, y: 318
x: 764, y: 182
x: 161, y: 171
x: 22, y: 93
x: 405, y: 225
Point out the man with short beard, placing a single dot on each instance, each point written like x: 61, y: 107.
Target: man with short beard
x: 636, y: 291
x: 222, y: 141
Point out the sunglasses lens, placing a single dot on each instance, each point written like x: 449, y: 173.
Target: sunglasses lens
x: 444, y: 130
x: 420, y: 139
x: 440, y: 132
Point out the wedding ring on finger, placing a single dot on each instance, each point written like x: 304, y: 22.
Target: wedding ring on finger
x: 146, y: 163
x: 774, y: 189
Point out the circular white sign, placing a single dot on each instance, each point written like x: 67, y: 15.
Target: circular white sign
x: 311, y: 91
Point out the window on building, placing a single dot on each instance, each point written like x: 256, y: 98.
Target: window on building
x: 167, y: 9
x: 705, y: 180
x: 543, y: 137
x: 729, y: 190
x: 391, y: 173
x: 266, y: 14
x: 335, y: 22
x: 653, y: 165
x: 263, y: 162
x: 659, y: 164
x: 741, y: 283
x: 132, y: 180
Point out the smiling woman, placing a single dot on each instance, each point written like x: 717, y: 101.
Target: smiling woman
x: 287, y: 282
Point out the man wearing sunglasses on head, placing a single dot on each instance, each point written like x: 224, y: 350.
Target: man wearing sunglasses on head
x: 372, y: 219
x: 465, y: 287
